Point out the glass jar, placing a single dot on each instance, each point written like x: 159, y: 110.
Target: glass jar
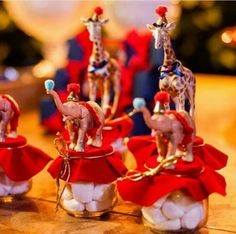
x: 11, y: 190
x: 87, y: 199
x: 176, y: 213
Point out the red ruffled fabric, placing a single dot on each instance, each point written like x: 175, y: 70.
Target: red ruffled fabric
x: 21, y: 161
x: 117, y: 128
x: 199, y: 177
x: 100, y: 170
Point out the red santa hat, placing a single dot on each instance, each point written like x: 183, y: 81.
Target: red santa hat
x: 74, y: 91
x: 97, y: 12
x: 162, y: 101
x: 161, y: 11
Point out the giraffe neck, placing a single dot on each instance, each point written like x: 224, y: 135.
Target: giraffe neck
x: 98, y: 52
x: 169, y: 53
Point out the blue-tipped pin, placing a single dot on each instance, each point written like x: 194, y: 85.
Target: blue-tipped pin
x: 138, y: 103
x: 49, y: 85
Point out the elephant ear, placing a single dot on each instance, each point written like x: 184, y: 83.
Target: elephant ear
x: 49, y: 85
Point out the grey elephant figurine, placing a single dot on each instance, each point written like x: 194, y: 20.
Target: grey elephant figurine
x: 81, y: 118
x: 9, y: 114
x: 174, y: 131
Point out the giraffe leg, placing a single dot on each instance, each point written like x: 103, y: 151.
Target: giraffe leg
x: 191, y: 97
x: 116, y: 83
x: 106, y: 95
x: 181, y: 99
x: 92, y: 89
x: 176, y: 101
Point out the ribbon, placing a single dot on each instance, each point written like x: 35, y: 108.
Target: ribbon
x: 173, y: 68
x: 94, y: 66
x: 169, y: 161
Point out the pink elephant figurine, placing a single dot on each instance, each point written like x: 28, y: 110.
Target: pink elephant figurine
x: 9, y: 114
x: 174, y: 131
x: 81, y: 118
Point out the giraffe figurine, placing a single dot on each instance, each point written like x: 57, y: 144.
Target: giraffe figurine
x: 176, y: 79
x: 103, y: 71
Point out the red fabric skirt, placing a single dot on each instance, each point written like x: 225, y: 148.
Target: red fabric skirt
x: 21, y: 161
x: 198, y: 178
x: 99, y: 165
x: 117, y: 128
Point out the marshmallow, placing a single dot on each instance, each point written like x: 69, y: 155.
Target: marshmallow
x: 73, y: 205
x: 153, y: 215
x: 159, y: 202
x: 103, y: 192
x: 182, y: 200
x: 98, y: 206
x: 171, y: 210
x: 119, y: 145
x: 4, y: 190
x: 192, y: 218
x: 82, y: 191
x: 19, y: 187
x: 173, y: 224
x: 67, y: 194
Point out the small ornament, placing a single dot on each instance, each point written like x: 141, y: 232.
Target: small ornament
x: 80, y: 118
x: 9, y: 114
x: 174, y: 78
x: 103, y: 71
x: 173, y: 199
x: 175, y: 127
x: 89, y: 168
x: 19, y: 161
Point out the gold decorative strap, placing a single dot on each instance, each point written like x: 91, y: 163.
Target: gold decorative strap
x: 151, y: 171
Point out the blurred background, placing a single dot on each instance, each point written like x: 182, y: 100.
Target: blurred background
x: 46, y: 39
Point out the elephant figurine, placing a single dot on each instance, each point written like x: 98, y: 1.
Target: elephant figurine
x: 174, y: 131
x: 9, y: 114
x: 80, y: 118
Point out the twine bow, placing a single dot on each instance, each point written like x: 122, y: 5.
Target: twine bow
x: 62, y: 149
x: 151, y: 171
x: 171, y: 69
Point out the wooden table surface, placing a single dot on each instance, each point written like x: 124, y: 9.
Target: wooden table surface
x: 216, y: 123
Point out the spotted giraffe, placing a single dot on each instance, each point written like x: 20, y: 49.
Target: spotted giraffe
x: 103, y: 71
x: 176, y: 79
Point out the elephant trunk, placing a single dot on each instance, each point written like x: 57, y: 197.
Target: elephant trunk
x: 152, y: 124
x: 61, y: 108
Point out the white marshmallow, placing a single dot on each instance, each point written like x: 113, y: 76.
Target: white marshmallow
x: 192, y: 218
x: 103, y: 192
x: 182, y: 200
x: 153, y: 215
x: 4, y: 190
x: 119, y: 145
x: 73, y: 205
x: 98, y: 206
x: 19, y: 187
x: 173, y: 224
x: 67, y: 194
x: 82, y: 191
x: 171, y: 210
x: 160, y: 202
